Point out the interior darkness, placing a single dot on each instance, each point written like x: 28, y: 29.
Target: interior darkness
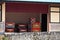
x: 21, y: 12
x: 21, y: 17
x: 44, y: 22
x: 24, y: 18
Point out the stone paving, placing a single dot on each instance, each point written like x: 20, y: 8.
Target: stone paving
x: 35, y: 36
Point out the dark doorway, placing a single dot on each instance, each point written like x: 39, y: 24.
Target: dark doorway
x: 44, y: 22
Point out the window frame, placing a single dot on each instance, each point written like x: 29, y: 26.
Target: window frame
x: 55, y: 12
x: 1, y: 13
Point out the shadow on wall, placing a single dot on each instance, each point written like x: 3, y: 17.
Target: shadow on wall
x: 18, y: 17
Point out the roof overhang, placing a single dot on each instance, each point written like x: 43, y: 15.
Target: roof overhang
x: 47, y: 1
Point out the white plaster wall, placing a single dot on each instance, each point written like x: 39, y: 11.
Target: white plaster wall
x: 3, y: 12
x: 54, y: 27
x: 2, y: 24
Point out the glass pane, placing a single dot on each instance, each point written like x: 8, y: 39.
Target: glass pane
x: 55, y: 9
x: 54, y: 17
